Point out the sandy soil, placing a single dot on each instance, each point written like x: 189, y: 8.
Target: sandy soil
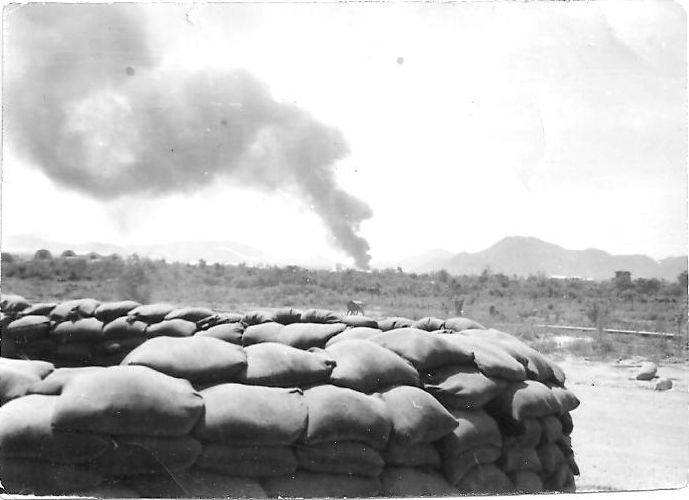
x: 626, y: 435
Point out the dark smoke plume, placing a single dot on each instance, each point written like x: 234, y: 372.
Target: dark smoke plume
x: 88, y: 102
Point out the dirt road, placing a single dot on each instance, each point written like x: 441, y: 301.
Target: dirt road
x: 626, y: 435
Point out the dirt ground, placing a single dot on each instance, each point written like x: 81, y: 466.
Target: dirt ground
x: 626, y: 435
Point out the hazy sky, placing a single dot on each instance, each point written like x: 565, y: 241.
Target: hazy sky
x: 307, y: 128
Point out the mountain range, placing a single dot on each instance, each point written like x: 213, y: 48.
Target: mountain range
x: 514, y: 255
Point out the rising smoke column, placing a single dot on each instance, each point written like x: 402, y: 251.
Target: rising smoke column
x: 88, y: 103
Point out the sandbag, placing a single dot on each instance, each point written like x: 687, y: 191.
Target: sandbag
x: 524, y: 434
x: 567, y: 423
x: 249, y: 461
x: 38, y: 477
x: 356, y: 333
x: 218, y: 319
x: 109, y: 311
x: 151, y: 313
x: 526, y: 399
x: 320, y: 316
x: 411, y: 455
x: 148, y: 455
x: 456, y: 466
x: 357, y: 321
x: 263, y: 332
x: 429, y: 324
x: 560, y: 480
x: 243, y: 414
x: 15, y: 383
x: 120, y: 345
x: 195, y: 483
x: 36, y: 367
x: 490, y: 358
x: 39, y: 309
x: 551, y: 457
x: 515, y: 459
x: 525, y: 481
x: 308, y: 335
x: 81, y: 330
x: 123, y: 327
x: 109, y: 489
x: 306, y: 484
x: 193, y: 314
x: 74, y: 309
x: 462, y: 387
x: 341, y: 414
x: 287, y: 316
x: 27, y: 329
x: 12, y: 304
x: 423, y: 349
x: 171, y: 328
x: 127, y: 400
x: 395, y: 323
x: 365, y: 366
x: 552, y: 429
x: 228, y: 332
x: 197, y: 359
x: 74, y: 353
x: 53, y: 384
x: 409, y: 482
x: 278, y: 365
x: 416, y: 416
x: 342, y: 457
x: 474, y: 428
x: 485, y: 478
x: 460, y: 323
x: 257, y: 318
x: 566, y: 400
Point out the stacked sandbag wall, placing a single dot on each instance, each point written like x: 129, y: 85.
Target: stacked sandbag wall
x: 160, y: 401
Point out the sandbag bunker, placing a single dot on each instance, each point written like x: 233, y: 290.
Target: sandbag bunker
x: 120, y: 399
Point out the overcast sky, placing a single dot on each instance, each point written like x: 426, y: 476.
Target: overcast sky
x: 318, y: 128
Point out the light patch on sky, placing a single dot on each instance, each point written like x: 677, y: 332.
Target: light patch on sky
x: 466, y: 123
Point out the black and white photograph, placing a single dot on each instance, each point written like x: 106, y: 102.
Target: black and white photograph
x: 344, y: 249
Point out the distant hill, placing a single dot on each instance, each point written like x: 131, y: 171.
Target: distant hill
x: 526, y: 256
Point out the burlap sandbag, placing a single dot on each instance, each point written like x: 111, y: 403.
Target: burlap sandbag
x: 195, y: 483
x: 460, y: 323
x: 171, y: 328
x: 81, y: 330
x: 12, y: 304
x: 485, y: 478
x: 365, y: 366
x: 308, y: 335
x: 243, y: 414
x: 228, y: 332
x: 263, y: 332
x: 525, y: 399
x: 216, y: 319
x: 320, y: 316
x: 279, y: 365
x: 27, y: 329
x: 490, y: 358
x: 356, y: 333
x: 411, y: 455
x: 111, y: 488
x: 38, y: 477
x: 341, y: 414
x: 124, y: 327
x: 551, y: 457
x: 39, y: 309
x: 73, y: 309
x: 515, y: 459
x: 287, y: 316
x: 456, y: 466
x: 197, y: 359
x: 566, y: 399
x: 342, y: 457
x: 249, y: 460
x: 416, y: 416
x: 109, y: 311
x: 525, y: 481
x: 127, y: 400
x: 74, y: 353
x: 524, y: 434
x: 552, y: 429
x: 475, y: 428
x: 429, y: 324
x: 462, y: 387
x: 394, y: 323
x: 193, y: 314
x: 357, y: 321
x: 121, y: 345
x: 561, y: 480
x: 35, y: 367
x: 257, y: 318
x: 53, y: 384
x: 567, y: 423
x: 425, y: 350
x: 306, y: 484
x: 410, y: 482
x: 151, y: 313
x: 26, y: 433
x: 148, y: 455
